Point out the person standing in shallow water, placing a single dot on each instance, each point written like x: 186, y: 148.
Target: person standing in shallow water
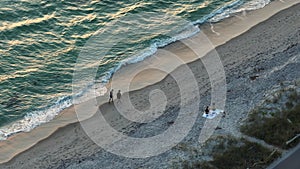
x: 119, y: 95
x: 111, y: 96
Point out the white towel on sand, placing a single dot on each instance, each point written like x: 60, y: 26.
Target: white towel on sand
x: 212, y: 113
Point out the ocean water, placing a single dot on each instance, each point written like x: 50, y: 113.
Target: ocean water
x: 40, y: 41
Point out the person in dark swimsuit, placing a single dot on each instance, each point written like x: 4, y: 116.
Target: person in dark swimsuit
x: 111, y: 96
x: 207, y: 110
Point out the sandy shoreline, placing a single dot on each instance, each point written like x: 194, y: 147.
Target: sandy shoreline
x: 23, y: 141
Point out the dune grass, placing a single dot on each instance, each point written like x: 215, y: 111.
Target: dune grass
x: 249, y: 155
x: 277, y: 130
x: 238, y: 154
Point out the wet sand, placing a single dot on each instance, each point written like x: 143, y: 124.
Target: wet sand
x: 260, y: 51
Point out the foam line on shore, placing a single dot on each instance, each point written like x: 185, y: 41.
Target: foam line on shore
x: 38, y: 117
x: 57, y: 122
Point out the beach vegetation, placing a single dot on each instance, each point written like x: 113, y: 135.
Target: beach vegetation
x: 293, y: 95
x: 235, y: 154
x: 248, y: 155
x: 277, y: 130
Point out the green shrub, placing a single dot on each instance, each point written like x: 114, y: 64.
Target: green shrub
x: 289, y: 105
x: 249, y: 155
x: 238, y: 154
x: 293, y: 96
x: 276, y: 130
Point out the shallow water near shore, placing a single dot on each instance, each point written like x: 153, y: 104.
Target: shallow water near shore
x: 40, y: 42
x: 42, y: 138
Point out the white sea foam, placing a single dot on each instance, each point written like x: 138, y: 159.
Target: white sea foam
x: 36, y: 118
x: 99, y: 89
x: 187, y: 32
x: 218, y: 11
x: 248, y: 6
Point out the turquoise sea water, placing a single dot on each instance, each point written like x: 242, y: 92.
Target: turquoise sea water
x: 40, y: 41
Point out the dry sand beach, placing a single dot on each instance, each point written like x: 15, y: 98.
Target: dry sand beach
x: 258, y: 50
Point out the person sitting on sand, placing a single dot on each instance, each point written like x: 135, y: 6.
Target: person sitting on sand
x: 207, y: 110
x: 213, y: 107
x: 111, y: 96
x: 119, y: 95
